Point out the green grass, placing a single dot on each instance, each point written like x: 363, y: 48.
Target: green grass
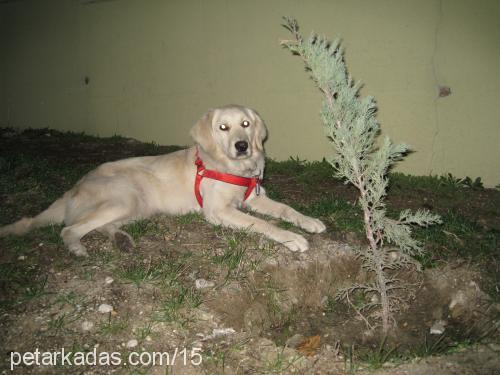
x: 59, y: 323
x: 341, y: 214
x: 306, y: 172
x: 142, y: 227
x: 113, y: 326
x: 145, y: 331
x: 180, y: 298
x: 237, y: 244
x: 191, y: 217
x: 458, y: 236
x: 280, y: 364
x: 35, y: 289
x: 234, y: 253
x: 140, y: 272
x: 375, y: 359
x: 20, y: 283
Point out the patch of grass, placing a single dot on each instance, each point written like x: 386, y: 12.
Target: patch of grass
x: 274, y: 296
x: 233, y: 257
x: 142, y: 227
x: 274, y: 193
x: 445, y: 183
x: 280, y: 364
x: 17, y: 244
x: 191, y: 217
x: 140, y: 271
x: 216, y: 357
x: 20, y: 283
x: 285, y: 225
x: 331, y: 305
x: 35, y: 289
x: 234, y: 252
x: 58, y: 323
x: 342, y: 215
x: 430, y: 347
x: 458, y: 236
x: 27, y: 175
x: 145, y: 330
x: 375, y: 359
x: 305, y: 172
x: 180, y: 298
x: 50, y: 235
x: 71, y: 299
x: 113, y: 326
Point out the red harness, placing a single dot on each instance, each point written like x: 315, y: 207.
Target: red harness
x: 250, y: 182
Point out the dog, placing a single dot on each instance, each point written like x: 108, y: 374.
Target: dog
x: 218, y: 175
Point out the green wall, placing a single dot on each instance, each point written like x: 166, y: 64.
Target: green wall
x: 155, y: 66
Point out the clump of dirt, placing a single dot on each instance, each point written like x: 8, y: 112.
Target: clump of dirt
x: 295, y: 295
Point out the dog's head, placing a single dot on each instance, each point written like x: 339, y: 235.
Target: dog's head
x: 235, y: 131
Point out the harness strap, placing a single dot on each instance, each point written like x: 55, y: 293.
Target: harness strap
x: 250, y: 182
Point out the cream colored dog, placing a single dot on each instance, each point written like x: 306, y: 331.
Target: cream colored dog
x: 228, y: 140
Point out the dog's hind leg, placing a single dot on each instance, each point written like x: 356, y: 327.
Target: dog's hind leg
x: 121, y: 239
x: 105, y: 214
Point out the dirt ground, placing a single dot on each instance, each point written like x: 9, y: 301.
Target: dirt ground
x: 245, y: 304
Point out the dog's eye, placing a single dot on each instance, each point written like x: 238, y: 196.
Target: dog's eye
x: 223, y: 127
x: 245, y: 124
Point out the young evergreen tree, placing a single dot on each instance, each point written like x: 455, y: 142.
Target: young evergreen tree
x: 352, y: 128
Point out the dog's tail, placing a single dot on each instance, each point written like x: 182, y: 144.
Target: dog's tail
x: 52, y: 215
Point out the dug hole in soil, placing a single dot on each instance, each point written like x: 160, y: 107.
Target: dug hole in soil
x: 271, y: 313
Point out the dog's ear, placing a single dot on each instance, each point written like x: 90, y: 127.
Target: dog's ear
x: 202, y: 133
x: 260, y: 131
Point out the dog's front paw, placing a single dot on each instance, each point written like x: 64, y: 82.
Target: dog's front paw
x: 312, y: 225
x: 296, y: 242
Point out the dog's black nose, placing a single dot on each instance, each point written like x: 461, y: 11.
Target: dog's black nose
x: 241, y: 146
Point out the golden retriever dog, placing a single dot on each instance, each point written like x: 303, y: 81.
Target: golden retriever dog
x: 228, y: 140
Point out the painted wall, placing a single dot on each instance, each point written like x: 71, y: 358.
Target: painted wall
x: 148, y: 69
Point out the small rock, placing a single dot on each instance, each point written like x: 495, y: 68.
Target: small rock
x: 295, y: 341
x: 108, y: 280
x: 219, y: 332
x: 148, y: 338
x: 458, y: 299
x: 202, y: 283
x: 132, y: 343
x: 87, y: 326
x: 21, y: 257
x: 197, y: 344
x: 438, y: 327
x: 105, y: 308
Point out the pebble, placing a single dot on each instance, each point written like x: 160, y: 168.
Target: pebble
x: 217, y: 332
x: 437, y: 328
x: 21, y: 257
x: 108, y: 280
x: 202, y: 283
x: 132, y: 343
x: 295, y: 340
x: 87, y: 326
x: 105, y: 308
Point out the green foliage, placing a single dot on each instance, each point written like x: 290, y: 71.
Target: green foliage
x: 351, y: 125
